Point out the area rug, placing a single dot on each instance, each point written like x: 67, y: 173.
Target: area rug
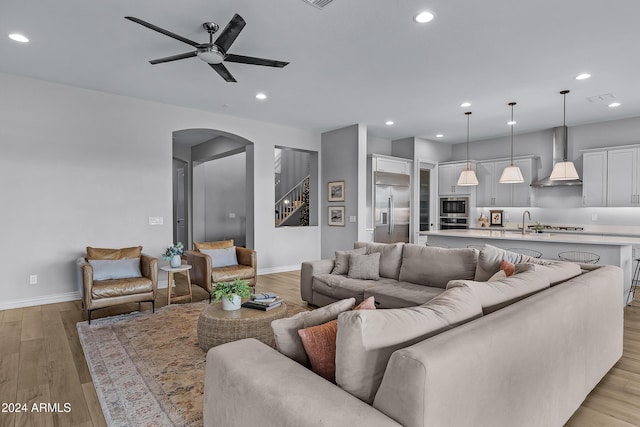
x: 147, y: 368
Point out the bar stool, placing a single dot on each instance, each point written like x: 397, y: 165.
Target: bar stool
x: 581, y: 257
x: 529, y: 252
x: 635, y: 282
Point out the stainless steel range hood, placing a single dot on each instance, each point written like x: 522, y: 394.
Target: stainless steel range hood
x: 559, y: 154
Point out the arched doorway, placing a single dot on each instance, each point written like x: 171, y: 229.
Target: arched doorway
x: 213, y: 194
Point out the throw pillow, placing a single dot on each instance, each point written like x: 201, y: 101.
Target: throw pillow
x: 390, y: 257
x: 107, y: 269
x: 213, y: 245
x: 222, y: 257
x: 285, y: 331
x: 341, y: 263
x: 122, y: 253
x: 364, y: 267
x: 489, y: 261
x: 508, y: 267
x: 320, y: 343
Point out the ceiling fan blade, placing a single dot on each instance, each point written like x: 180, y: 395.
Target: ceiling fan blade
x: 224, y: 73
x: 255, y: 61
x: 174, y: 58
x: 162, y: 31
x: 230, y: 32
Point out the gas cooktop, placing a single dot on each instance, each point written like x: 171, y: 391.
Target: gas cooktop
x: 556, y: 227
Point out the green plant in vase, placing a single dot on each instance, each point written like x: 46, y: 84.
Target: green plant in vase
x: 231, y: 293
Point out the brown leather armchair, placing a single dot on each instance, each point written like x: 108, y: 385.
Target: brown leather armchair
x: 107, y: 292
x: 206, y: 276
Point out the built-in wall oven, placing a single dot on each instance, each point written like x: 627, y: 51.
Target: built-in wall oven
x: 454, y: 213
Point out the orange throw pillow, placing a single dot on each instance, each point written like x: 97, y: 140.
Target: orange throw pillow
x: 320, y: 343
x: 508, y: 267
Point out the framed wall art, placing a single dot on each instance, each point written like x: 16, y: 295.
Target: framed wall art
x: 335, y: 215
x: 335, y: 191
x: 496, y: 218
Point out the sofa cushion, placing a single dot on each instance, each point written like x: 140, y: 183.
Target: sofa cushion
x: 227, y: 274
x: 559, y: 271
x: 364, y: 267
x: 122, y: 253
x: 390, y: 257
x: 433, y: 266
x: 105, y: 269
x: 222, y: 257
x: 366, y: 339
x: 341, y: 263
x: 120, y: 287
x: 285, y: 331
x: 497, y: 294
x: 401, y: 294
x: 320, y: 343
x: 340, y: 287
x: 213, y: 245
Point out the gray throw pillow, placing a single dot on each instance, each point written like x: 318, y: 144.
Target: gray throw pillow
x: 341, y: 263
x: 106, y: 269
x: 222, y: 257
x: 364, y: 267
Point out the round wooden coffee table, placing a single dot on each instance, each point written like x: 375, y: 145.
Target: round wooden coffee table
x: 216, y: 326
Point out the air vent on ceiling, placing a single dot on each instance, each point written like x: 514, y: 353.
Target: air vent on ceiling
x: 605, y: 97
x: 320, y: 4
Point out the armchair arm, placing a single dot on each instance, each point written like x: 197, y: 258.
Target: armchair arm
x: 247, y: 257
x: 201, y: 271
x: 87, y: 280
x: 149, y: 269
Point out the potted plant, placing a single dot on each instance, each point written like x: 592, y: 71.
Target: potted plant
x: 172, y: 254
x: 231, y: 293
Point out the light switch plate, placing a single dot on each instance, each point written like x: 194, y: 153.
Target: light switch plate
x: 232, y: 214
x: 352, y: 218
x: 156, y: 220
x: 594, y: 217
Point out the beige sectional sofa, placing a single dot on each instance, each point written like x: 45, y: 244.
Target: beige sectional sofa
x: 523, y: 350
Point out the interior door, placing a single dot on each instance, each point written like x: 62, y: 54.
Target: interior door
x: 180, y: 208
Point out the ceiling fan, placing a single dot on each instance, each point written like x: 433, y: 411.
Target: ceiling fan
x: 213, y: 53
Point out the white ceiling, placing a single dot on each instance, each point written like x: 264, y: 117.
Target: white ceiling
x: 355, y: 61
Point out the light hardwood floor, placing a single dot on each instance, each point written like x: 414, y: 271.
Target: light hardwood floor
x: 41, y: 360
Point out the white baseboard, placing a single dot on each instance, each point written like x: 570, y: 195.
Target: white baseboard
x: 271, y: 270
x: 46, y: 299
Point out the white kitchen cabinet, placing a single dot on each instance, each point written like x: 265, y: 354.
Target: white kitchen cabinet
x: 392, y: 165
x: 594, y: 178
x: 491, y: 192
x: 623, y: 188
x: 448, y: 175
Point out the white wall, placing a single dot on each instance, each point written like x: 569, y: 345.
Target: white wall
x: 82, y: 168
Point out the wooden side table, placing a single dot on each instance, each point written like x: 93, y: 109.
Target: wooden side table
x: 170, y: 270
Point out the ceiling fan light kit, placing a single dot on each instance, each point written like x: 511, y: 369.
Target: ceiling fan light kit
x: 213, y: 53
x: 468, y: 176
x: 512, y: 173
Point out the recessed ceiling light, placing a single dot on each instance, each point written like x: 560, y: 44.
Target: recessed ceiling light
x: 465, y: 104
x: 614, y: 105
x: 261, y: 96
x: 389, y: 122
x: 583, y: 76
x: 424, y: 17
x: 511, y: 122
x: 439, y: 135
x: 19, y: 38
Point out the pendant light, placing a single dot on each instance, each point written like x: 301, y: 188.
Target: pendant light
x: 511, y: 174
x: 468, y: 176
x: 564, y: 170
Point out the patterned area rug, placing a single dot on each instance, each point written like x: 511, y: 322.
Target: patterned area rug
x: 148, y: 369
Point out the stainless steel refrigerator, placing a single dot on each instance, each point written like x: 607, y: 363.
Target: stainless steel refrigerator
x: 392, y: 197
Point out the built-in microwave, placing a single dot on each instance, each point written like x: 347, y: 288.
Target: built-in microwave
x: 454, y: 207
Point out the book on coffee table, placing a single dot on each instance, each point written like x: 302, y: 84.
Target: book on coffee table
x: 263, y: 306
x: 266, y: 296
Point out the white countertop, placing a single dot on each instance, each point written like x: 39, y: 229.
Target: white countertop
x: 553, y: 237
x: 611, y: 230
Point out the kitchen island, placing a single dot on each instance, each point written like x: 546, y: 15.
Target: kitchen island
x: 613, y: 250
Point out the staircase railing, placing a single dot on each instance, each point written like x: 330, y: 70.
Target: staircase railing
x: 292, y: 201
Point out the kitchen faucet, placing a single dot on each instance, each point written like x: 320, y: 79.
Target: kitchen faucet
x: 523, y: 214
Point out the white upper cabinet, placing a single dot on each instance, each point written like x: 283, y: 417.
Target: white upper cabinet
x: 594, y: 178
x: 448, y: 175
x: 622, y: 177
x: 392, y: 165
x: 492, y: 193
